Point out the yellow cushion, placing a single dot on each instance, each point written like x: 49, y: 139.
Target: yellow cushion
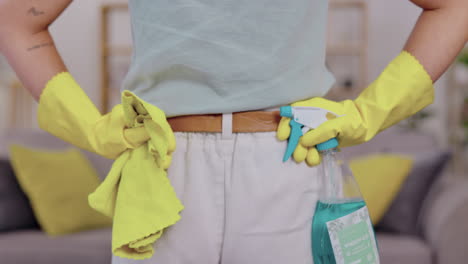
x: 58, y: 184
x: 380, y: 178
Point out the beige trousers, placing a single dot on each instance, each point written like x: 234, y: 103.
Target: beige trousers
x: 243, y: 205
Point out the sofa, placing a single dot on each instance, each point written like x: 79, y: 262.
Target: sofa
x: 442, y: 224
x: 29, y: 244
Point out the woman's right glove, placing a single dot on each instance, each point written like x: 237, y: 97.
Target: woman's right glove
x: 67, y: 112
x: 136, y: 193
x: 401, y: 90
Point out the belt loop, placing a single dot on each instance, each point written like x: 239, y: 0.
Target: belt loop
x: 227, y: 126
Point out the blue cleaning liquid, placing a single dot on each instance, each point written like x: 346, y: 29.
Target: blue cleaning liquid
x: 321, y: 245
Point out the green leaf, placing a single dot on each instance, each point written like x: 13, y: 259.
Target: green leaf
x: 463, y: 58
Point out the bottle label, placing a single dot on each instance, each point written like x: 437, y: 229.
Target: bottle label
x: 352, y: 238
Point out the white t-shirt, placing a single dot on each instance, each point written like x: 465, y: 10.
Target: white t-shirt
x: 222, y: 56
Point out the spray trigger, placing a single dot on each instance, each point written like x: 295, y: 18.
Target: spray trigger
x: 303, y: 119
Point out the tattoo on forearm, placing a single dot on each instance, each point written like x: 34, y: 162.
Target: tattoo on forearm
x: 33, y: 11
x: 47, y: 44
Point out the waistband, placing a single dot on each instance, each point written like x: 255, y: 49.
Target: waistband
x: 240, y: 122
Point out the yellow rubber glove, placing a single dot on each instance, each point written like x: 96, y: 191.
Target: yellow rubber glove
x: 66, y: 112
x: 402, y: 89
x: 136, y: 193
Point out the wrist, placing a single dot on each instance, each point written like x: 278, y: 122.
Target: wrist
x: 401, y: 90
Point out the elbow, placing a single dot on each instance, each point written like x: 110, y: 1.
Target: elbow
x: 11, y: 23
x: 21, y: 18
x: 28, y: 26
x: 17, y: 28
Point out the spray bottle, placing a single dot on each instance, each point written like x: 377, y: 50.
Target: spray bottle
x: 342, y: 231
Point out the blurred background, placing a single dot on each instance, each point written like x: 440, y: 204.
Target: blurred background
x: 94, y: 39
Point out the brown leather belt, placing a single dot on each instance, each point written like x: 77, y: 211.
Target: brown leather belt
x: 242, y: 122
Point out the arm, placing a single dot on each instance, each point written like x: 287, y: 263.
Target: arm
x: 440, y: 33
x: 401, y: 90
x: 64, y: 108
x: 26, y: 42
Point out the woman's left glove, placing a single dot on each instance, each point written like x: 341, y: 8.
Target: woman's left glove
x: 67, y: 112
x: 401, y: 90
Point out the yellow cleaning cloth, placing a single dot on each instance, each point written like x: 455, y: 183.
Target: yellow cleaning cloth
x: 136, y: 193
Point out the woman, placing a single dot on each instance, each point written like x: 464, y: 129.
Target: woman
x: 240, y: 59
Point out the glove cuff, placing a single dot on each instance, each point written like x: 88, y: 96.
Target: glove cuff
x: 66, y: 111
x: 401, y: 90
x: 406, y: 58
